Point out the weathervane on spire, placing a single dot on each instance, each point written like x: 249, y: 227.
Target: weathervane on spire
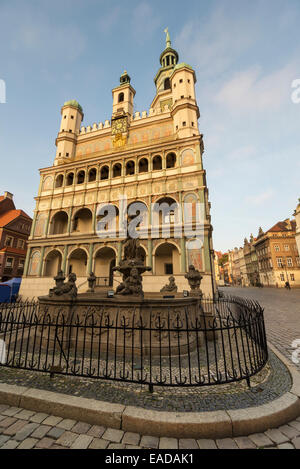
x: 168, y: 40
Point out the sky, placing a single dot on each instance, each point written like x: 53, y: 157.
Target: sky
x: 246, y: 56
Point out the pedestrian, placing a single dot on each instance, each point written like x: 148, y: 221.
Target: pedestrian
x: 287, y: 285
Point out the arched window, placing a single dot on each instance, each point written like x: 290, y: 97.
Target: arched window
x: 92, y: 174
x: 157, y: 163
x: 121, y: 98
x: 117, y: 170
x: 70, y: 179
x: 143, y: 165
x: 104, y: 173
x: 59, y: 181
x: 130, y: 168
x: 171, y: 160
x: 80, y: 177
x: 167, y: 84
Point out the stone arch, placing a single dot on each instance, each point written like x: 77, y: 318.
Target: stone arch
x: 107, y: 219
x: 59, y: 223
x: 39, y: 229
x: 143, y: 165
x: 117, y: 170
x: 166, y: 210
x: 188, y: 157
x: 34, y: 263
x: 47, y: 183
x: 157, y: 163
x: 171, y: 160
x: 167, y: 84
x: 121, y: 97
x: 92, y: 176
x: 104, y: 173
x: 167, y: 259
x: 70, y: 179
x: 137, y: 209
x: 104, y: 261
x: 52, y: 263
x: 190, y: 206
x: 77, y: 262
x: 82, y: 221
x: 59, y: 181
x: 194, y: 248
x: 80, y: 177
x: 130, y: 168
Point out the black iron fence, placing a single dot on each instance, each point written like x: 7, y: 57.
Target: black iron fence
x: 223, y: 342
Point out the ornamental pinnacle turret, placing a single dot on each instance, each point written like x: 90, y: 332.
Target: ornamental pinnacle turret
x: 151, y: 157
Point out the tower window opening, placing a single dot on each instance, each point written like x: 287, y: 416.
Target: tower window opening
x: 65, y: 117
x: 174, y: 85
x: 72, y: 117
x: 143, y: 165
x: 80, y: 177
x: 104, y: 173
x: 70, y: 179
x: 70, y: 131
x: 168, y: 61
x: 171, y: 160
x: 121, y: 98
x: 157, y: 163
x: 181, y: 97
x: 192, y: 124
x: 67, y: 154
x: 92, y: 175
x: 184, y: 124
x: 117, y: 170
x: 181, y: 80
x: 130, y: 167
x: 167, y: 84
x: 189, y: 81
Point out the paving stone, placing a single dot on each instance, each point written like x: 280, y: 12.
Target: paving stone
x: 7, y: 422
x: 82, y: 442
x: 25, y: 414
x: 296, y: 443
x: 186, y: 443
x: 113, y: 435
x: 41, y: 431
x: 116, y: 446
x: 81, y: 428
x: 226, y: 443
x: 131, y: 438
x: 2, y: 417
x: 45, y: 443
x: 98, y: 443
x: 149, y: 442
x: 57, y: 447
x: 66, y: 424
x: 3, y: 407
x: 26, y: 431
x: 295, y: 425
x: 10, y: 444
x: 244, y: 442
x: 11, y: 411
x: 276, y: 436
x: 38, y: 418
x: 96, y: 431
x: 168, y: 443
x: 13, y: 429
x: 261, y: 440
x: 3, y: 439
x: 290, y: 432
x: 207, y: 444
x: 66, y: 439
x: 55, y: 432
x: 132, y: 447
x: 52, y: 420
x: 286, y: 446
x: 28, y: 443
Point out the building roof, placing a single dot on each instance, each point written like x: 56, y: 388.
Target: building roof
x: 283, y: 226
x: 10, y: 215
x: 11, y: 250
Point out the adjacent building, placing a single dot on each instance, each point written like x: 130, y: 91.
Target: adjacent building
x: 152, y: 157
x: 297, y: 218
x: 14, y: 231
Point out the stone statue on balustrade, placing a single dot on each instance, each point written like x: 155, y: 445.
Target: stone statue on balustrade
x: 92, y: 282
x: 194, y: 278
x: 67, y: 289
x: 171, y: 287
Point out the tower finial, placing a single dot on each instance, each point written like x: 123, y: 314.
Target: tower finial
x: 168, y: 40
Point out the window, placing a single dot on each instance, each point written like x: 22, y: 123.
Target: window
x: 282, y: 277
x: 292, y: 277
x: 279, y: 262
x: 189, y: 81
x: 167, y: 84
x: 286, y: 247
x: 104, y: 173
x: 9, y: 262
x: 121, y: 98
x: 181, y: 81
x: 298, y: 261
x: 9, y: 241
x: 21, y: 263
x: 289, y: 262
x: 21, y: 243
x: 72, y: 117
x: 183, y: 124
x: 168, y: 269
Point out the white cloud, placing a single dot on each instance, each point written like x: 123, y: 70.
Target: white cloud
x: 144, y: 21
x: 251, y: 91
x: 260, y: 198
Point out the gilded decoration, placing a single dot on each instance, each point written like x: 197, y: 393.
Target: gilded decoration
x: 119, y: 141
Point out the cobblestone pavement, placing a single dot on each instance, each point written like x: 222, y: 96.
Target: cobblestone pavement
x: 24, y: 429
x: 282, y: 314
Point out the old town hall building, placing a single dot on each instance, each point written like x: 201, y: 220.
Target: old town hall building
x: 152, y: 157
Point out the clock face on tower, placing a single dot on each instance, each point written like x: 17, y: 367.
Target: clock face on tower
x: 119, y: 126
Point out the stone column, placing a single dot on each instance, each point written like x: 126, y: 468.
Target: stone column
x: 150, y: 263
x: 90, y: 260
x: 69, y: 220
x: 47, y: 225
x: 183, y: 255
x: 41, y: 261
x: 64, y: 261
x: 119, y: 253
x: 27, y: 262
x: 33, y: 224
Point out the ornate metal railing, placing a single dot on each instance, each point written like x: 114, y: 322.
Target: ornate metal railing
x: 223, y: 342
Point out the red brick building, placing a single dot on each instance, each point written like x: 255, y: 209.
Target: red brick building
x: 15, y: 228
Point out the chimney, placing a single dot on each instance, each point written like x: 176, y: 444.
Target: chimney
x: 8, y: 195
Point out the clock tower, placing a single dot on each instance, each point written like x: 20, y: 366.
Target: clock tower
x: 122, y: 110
